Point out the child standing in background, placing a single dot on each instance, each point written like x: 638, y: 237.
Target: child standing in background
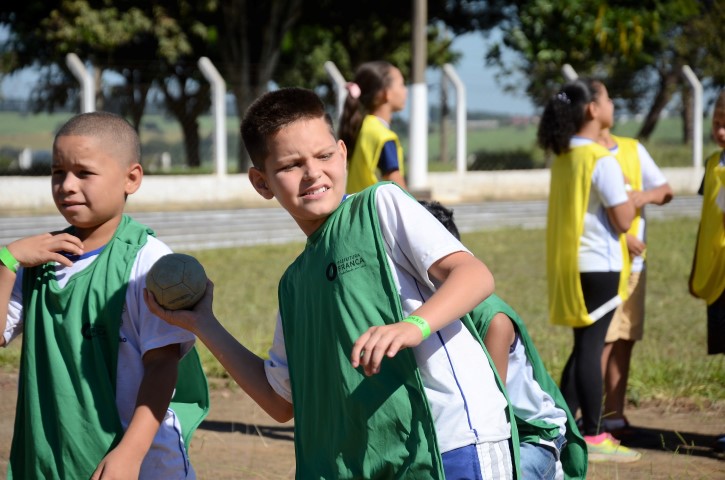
x: 97, y: 369
x: 589, y: 212
x: 551, y: 445
x: 377, y: 91
x: 707, y: 278
x: 647, y: 185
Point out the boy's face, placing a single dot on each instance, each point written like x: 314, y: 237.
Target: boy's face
x: 718, y: 127
x: 306, y: 171
x: 89, y: 184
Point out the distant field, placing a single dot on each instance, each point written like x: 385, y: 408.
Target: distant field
x: 162, y: 134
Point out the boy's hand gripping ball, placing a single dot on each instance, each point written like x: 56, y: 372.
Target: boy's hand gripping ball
x: 177, y: 281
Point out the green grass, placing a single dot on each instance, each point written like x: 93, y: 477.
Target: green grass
x: 668, y: 365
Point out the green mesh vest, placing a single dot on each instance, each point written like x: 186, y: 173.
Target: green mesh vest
x: 574, y: 454
x: 347, y: 425
x: 66, y: 417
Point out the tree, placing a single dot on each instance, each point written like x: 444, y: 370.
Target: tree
x: 146, y: 42
x: 636, y: 47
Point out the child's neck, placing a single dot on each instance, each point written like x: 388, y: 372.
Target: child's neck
x: 98, y: 236
x: 591, y: 130
x: 384, y: 112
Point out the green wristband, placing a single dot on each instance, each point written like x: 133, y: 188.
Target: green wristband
x: 420, y: 323
x: 8, y: 260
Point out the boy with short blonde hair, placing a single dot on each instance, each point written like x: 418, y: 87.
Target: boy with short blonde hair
x: 371, y: 354
x: 98, y: 370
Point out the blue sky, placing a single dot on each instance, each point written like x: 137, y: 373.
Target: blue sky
x: 482, y: 90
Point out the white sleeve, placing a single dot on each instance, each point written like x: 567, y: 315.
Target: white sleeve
x: 151, y: 331
x: 14, y: 325
x: 652, y: 176
x: 608, y: 182
x: 720, y: 199
x: 414, y: 237
x: 276, y: 367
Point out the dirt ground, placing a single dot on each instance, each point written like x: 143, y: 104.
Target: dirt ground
x: 239, y: 441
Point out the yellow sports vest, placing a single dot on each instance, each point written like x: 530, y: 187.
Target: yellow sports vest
x: 571, y: 181
x: 628, y: 159
x: 708, y: 269
x: 363, y: 162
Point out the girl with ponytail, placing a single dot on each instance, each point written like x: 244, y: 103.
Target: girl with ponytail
x: 377, y: 91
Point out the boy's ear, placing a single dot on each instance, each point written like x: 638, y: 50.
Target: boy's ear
x: 134, y: 174
x: 259, y: 182
x: 343, y: 149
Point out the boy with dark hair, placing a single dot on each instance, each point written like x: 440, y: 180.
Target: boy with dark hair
x: 551, y: 445
x: 372, y: 354
x: 97, y: 370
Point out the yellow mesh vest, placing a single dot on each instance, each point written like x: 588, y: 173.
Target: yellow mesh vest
x: 363, y: 162
x: 628, y: 159
x: 571, y: 181
x: 708, y: 269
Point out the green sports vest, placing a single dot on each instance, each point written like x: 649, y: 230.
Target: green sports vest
x: 574, y: 454
x: 66, y: 416
x: 347, y: 425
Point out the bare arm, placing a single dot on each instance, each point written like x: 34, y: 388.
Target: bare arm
x: 621, y: 216
x: 154, y: 395
x: 657, y: 196
x: 499, y: 337
x: 246, y: 368
x: 29, y: 252
x: 396, y: 177
x: 465, y: 282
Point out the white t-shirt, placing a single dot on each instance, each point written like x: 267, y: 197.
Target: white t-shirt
x: 140, y: 332
x: 466, y: 404
x: 652, y: 177
x: 528, y: 399
x: 599, y: 248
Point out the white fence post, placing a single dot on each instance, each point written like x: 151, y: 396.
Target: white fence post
x: 219, y: 92
x: 85, y: 78
x: 696, y: 120
x: 461, y: 150
x: 339, y: 82
x: 569, y: 73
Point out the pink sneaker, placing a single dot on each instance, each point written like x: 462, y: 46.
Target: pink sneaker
x: 605, y: 448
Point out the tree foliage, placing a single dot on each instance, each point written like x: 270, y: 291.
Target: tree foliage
x: 638, y: 48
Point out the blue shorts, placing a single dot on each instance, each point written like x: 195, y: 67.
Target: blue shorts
x: 484, y: 461
x: 540, y: 461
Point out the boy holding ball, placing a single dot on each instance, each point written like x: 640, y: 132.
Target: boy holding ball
x: 98, y: 370
x: 371, y: 355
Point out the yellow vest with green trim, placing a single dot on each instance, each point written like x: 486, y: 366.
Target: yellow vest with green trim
x: 571, y: 181
x: 363, y: 162
x: 708, y: 269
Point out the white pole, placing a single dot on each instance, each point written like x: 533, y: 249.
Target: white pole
x: 451, y: 73
x: 85, y: 78
x: 569, y: 73
x: 418, y: 175
x: 339, y: 81
x: 697, y: 119
x: 219, y: 92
